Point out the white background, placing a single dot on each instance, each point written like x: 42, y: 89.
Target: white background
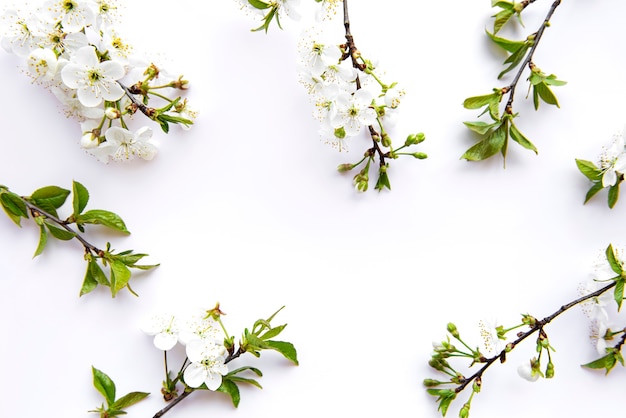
x: 247, y: 209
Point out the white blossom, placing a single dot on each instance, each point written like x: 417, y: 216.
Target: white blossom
x: 165, y: 330
x: 207, y: 364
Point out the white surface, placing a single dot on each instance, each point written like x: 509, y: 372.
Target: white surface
x: 247, y: 209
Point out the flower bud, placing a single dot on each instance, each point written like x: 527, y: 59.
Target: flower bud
x: 386, y: 141
x: 550, y: 370
x: 343, y: 168
x: 112, y: 113
x: 452, y: 330
x: 89, y: 140
x: 420, y: 155
x: 431, y: 383
x: 464, y: 412
x: 414, y: 139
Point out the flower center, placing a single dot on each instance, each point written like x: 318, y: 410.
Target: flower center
x: 94, y: 76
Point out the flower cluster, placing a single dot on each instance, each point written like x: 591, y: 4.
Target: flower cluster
x: 347, y: 91
x: 74, y: 49
x: 608, y: 284
x: 208, y: 349
x: 203, y: 339
x: 610, y: 172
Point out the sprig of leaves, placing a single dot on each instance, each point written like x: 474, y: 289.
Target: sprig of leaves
x: 43, y: 205
x: 494, y: 135
x: 114, y: 407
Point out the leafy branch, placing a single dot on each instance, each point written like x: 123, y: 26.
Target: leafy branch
x: 446, y: 391
x: 495, y: 134
x: 260, y: 337
x: 42, y: 206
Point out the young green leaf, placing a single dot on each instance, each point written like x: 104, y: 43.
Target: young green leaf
x: 593, y: 190
x: 52, y: 196
x: 480, y: 127
x: 14, y: 207
x: 230, y: 388
x: 80, y: 197
x: 103, y: 217
x: 493, y: 143
x: 104, y: 385
x: 607, y: 362
x: 89, y: 282
x: 129, y: 399
x: 613, y: 195
x: 613, y: 260
x: 59, y: 233
x: 43, y: 239
x: 518, y: 137
x: 286, y: 349
x: 120, y: 275
x: 589, y: 169
x: 619, y: 292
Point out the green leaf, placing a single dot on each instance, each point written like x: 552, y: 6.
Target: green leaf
x: 129, y: 399
x: 59, y: 233
x: 103, y: 217
x: 231, y: 389
x: 593, y: 190
x: 515, y: 58
x: 98, y: 274
x: 284, y: 348
x: 89, y: 282
x: 613, y: 194
x: 506, y: 44
x: 480, y: 127
x: 502, y: 17
x: 614, y: 262
x: 476, y: 102
x: 619, y: 292
x: 546, y: 95
x: 589, y: 169
x: 607, y: 362
x: 51, y: 195
x: 489, y: 146
x: 14, y: 207
x: 273, y: 332
x: 43, y: 239
x: 80, y: 197
x: 104, y: 385
x: 120, y: 275
x: 518, y: 137
x: 258, y: 4
x: 246, y: 380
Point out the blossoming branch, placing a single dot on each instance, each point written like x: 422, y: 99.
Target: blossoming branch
x: 42, y: 206
x: 209, y: 349
x: 608, y: 284
x: 348, y: 92
x: 495, y: 134
x: 73, y: 48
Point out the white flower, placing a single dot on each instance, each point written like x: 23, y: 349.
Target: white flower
x: 18, y: 33
x: 598, y: 336
x: 393, y: 97
x: 165, y: 330
x: 76, y: 15
x: 43, y: 65
x: 94, y: 80
x: 354, y: 112
x: 200, y: 326
x: 207, y: 364
x: 317, y: 57
x: 613, y: 161
x: 122, y: 144
x: 489, y: 333
x: 529, y: 371
x: 595, y: 308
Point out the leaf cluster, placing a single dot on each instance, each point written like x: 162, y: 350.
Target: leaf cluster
x: 253, y: 341
x: 594, y: 174
x: 43, y: 205
x: 114, y: 407
x: 494, y: 135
